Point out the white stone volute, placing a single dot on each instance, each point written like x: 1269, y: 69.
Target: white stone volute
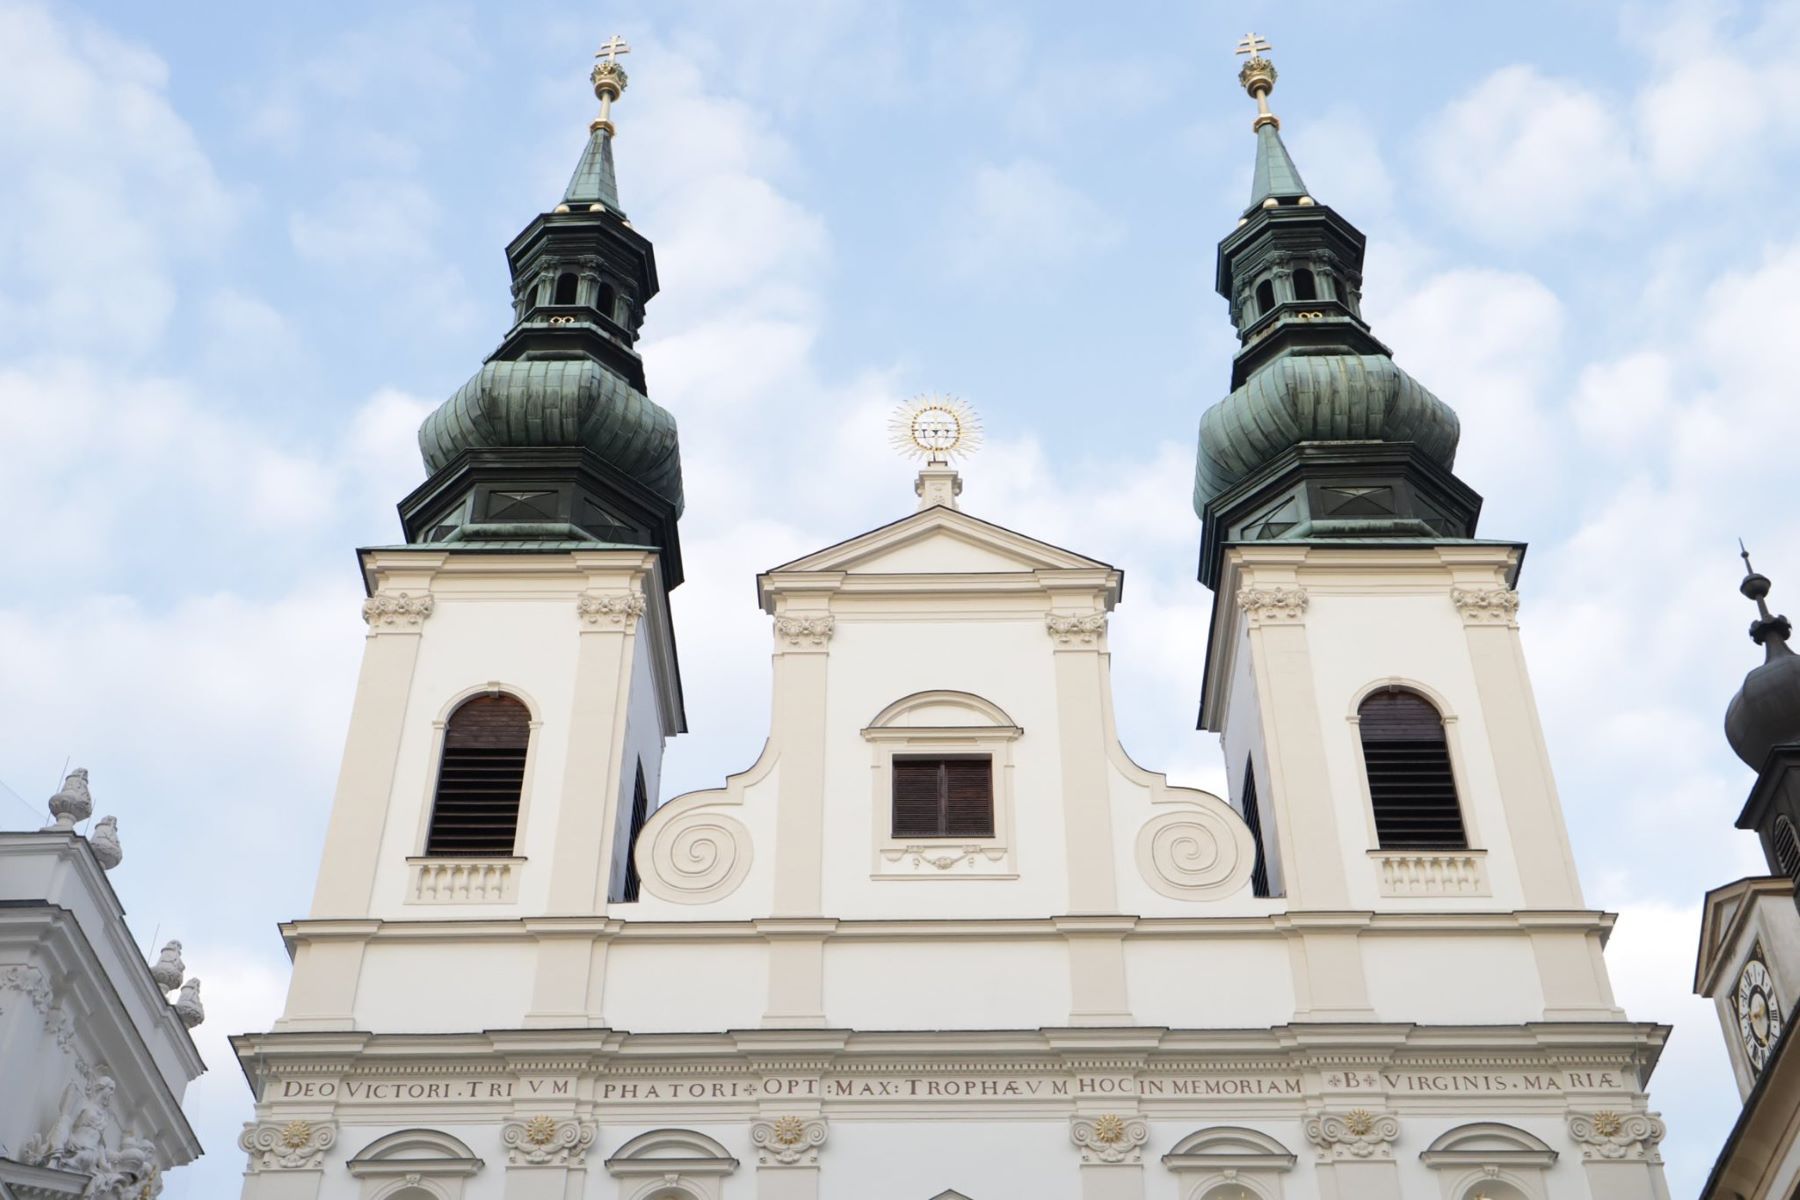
x: 546, y: 1141
x: 788, y: 1141
x: 693, y: 855
x: 1196, y: 853
x: 294, y: 1145
x: 1109, y: 1138
x: 1358, y: 1133
x: 1612, y: 1135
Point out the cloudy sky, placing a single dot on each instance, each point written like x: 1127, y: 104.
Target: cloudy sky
x: 243, y: 248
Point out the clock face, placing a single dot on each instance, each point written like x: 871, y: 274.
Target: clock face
x: 1758, y: 1012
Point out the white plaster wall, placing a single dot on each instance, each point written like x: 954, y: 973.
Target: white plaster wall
x: 917, y: 1160
x: 1210, y: 983
x: 1359, y: 638
x: 1006, y: 659
x: 670, y: 987
x: 643, y: 744
x: 526, y: 645
x: 963, y: 984
x: 1453, y: 981
x: 473, y: 984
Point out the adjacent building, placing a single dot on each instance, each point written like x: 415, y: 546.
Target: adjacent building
x: 945, y: 937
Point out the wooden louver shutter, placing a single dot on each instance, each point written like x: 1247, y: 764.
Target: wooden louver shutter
x: 943, y: 797
x: 1411, y: 785
x: 476, y: 810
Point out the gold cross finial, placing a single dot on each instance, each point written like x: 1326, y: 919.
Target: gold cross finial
x: 612, y: 48
x: 608, y: 78
x: 1253, y: 44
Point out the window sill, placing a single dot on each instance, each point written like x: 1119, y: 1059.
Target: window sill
x: 1430, y: 873
x: 443, y: 880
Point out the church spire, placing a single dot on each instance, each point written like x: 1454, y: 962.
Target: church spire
x: 1323, y: 436
x: 1765, y: 713
x: 594, y: 185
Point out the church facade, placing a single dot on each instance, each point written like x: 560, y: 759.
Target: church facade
x: 945, y: 938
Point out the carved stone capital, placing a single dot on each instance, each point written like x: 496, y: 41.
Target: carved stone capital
x: 1608, y: 1135
x: 1266, y: 604
x: 805, y: 631
x: 1486, y: 605
x: 1076, y: 629
x: 547, y: 1141
x: 789, y: 1141
x: 1359, y: 1133
x: 615, y: 610
x: 1109, y: 1137
x: 385, y: 611
x: 296, y: 1145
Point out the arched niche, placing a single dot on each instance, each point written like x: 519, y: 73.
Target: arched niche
x: 1489, y: 1160
x: 414, y: 1164
x: 1229, y: 1162
x: 671, y: 1164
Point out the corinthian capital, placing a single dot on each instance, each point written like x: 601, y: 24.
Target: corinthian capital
x: 386, y: 611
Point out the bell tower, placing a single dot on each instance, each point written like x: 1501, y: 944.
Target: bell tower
x: 1364, y: 669
x: 519, y: 680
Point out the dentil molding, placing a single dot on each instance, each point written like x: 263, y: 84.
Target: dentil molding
x: 619, y: 610
x: 1609, y: 1135
x: 546, y: 1141
x: 296, y: 1145
x: 1072, y: 629
x: 788, y: 1141
x: 1109, y: 1138
x: 1267, y: 604
x: 806, y: 631
x: 396, y: 610
x: 1359, y: 1133
x: 1486, y: 605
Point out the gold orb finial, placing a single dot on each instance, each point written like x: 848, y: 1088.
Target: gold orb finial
x: 1257, y: 77
x: 935, y: 428
x: 609, y: 80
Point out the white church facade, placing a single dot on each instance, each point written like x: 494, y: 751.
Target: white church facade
x: 945, y: 938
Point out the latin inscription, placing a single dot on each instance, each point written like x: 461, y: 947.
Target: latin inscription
x: 940, y: 1087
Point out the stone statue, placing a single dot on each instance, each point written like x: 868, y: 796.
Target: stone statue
x: 168, y: 969
x: 77, y: 1142
x: 72, y: 804
x: 104, y: 841
x: 188, y: 1006
x: 130, y: 1174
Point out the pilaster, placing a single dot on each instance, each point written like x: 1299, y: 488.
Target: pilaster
x: 802, y: 657
x: 1079, y: 641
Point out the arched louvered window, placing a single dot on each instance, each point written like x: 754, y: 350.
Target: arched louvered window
x: 1786, y: 847
x: 1411, y: 785
x: 1265, y: 297
x: 566, y: 284
x: 1305, y: 287
x: 609, y: 301
x: 476, y: 811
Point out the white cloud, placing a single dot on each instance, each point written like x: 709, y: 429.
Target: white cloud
x: 1623, y: 404
x: 1020, y: 218
x: 1343, y: 163
x: 1523, y: 156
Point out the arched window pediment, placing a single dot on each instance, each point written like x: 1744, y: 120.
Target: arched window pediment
x: 1488, y: 1142
x: 949, y: 711
x: 1229, y: 1147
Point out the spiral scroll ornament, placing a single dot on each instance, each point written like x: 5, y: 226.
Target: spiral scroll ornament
x: 697, y: 856
x: 1195, y: 853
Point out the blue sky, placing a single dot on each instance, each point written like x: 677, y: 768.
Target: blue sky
x: 244, y: 248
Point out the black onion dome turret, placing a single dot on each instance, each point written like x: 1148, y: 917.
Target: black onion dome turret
x: 1765, y: 712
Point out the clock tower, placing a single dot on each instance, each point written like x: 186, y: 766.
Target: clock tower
x: 1749, y: 962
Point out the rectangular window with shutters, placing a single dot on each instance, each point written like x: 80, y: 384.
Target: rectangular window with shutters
x: 950, y: 797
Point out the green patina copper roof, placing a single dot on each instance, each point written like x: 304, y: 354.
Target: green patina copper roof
x: 558, y: 402
x: 594, y: 181
x: 1276, y: 175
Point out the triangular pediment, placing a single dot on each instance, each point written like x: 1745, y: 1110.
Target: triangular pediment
x: 941, y: 541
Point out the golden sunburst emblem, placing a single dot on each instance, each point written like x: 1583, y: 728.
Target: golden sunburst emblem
x: 296, y: 1133
x: 935, y: 428
x: 789, y: 1130
x: 1109, y: 1128
x: 1608, y: 1123
x: 1360, y: 1122
x: 541, y: 1130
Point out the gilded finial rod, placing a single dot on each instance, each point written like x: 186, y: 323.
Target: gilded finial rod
x: 609, y: 80
x: 1258, y: 78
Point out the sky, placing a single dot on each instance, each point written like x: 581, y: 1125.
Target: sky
x: 245, y: 248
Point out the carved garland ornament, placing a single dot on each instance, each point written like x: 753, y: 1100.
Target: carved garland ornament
x: 1614, y: 1135
x: 788, y: 1141
x: 620, y: 609
x: 1072, y: 629
x: 297, y: 1145
x: 397, y: 610
x: 1486, y: 605
x: 812, y: 631
x: 30, y: 982
x: 1268, y: 605
x: 544, y: 1141
x: 1359, y: 1133
x: 1109, y: 1138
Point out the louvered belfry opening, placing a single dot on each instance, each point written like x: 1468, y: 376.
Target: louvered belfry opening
x: 1259, y: 872
x: 1411, y: 784
x: 1787, y: 848
x: 476, y: 811
x: 944, y: 797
